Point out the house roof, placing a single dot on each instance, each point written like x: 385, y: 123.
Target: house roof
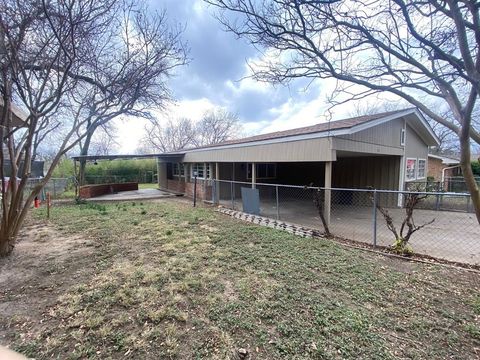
x: 445, y: 159
x: 317, y: 128
x: 332, y: 128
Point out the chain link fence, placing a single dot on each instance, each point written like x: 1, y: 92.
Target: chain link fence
x: 450, y: 184
x: 57, y: 187
x: 448, y: 225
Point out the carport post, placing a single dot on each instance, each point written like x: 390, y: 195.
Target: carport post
x: 278, y: 210
x: 328, y: 192
x: 374, y: 218
x: 217, y: 183
x: 254, y: 175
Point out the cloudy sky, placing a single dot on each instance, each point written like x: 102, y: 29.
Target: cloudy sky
x: 214, y: 78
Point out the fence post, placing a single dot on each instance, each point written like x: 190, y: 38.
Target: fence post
x: 54, y: 189
x: 437, y: 197
x: 374, y: 218
x: 48, y: 205
x: 278, y: 210
x: 195, y: 191
x: 231, y: 195
x: 214, y: 191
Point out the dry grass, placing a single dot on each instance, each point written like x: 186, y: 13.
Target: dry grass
x: 163, y: 280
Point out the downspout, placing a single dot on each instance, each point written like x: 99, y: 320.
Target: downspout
x: 447, y: 168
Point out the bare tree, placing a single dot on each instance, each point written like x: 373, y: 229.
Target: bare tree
x: 424, y: 52
x: 104, y: 141
x: 216, y: 126
x: 48, y: 54
x: 133, y: 61
x: 408, y: 226
x: 168, y: 137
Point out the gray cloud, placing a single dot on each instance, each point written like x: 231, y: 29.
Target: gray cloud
x: 217, y: 57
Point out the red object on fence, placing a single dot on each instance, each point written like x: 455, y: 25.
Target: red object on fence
x: 36, y: 203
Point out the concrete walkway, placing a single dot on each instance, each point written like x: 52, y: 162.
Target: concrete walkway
x: 141, y: 194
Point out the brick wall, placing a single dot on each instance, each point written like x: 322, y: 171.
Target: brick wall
x: 89, y: 191
x: 202, y: 193
x: 180, y: 186
x: 176, y: 185
x: 435, y: 168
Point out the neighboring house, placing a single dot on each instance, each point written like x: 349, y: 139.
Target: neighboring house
x: 18, y: 115
x: 382, y: 151
x: 18, y: 120
x: 441, y: 167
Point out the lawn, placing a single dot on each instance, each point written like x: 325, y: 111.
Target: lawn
x: 148, y: 186
x: 161, y: 279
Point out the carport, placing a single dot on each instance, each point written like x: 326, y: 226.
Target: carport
x: 381, y: 151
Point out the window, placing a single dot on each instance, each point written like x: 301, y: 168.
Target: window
x: 200, y: 170
x: 402, y: 137
x: 178, y: 169
x: 422, y: 164
x: 411, y: 169
x: 263, y: 171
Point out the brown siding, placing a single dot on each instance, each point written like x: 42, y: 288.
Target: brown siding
x: 379, y: 172
x: 381, y: 139
x: 302, y: 150
x: 415, y: 147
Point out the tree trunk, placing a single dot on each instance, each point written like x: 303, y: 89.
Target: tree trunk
x: 6, y: 244
x: 84, y: 152
x: 466, y: 165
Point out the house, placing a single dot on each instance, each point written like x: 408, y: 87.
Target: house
x: 383, y: 151
x: 19, y: 118
x: 18, y: 115
x: 441, y: 167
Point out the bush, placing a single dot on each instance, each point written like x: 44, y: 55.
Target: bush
x: 142, y: 171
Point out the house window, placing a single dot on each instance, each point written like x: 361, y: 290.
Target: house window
x: 411, y: 169
x: 200, y: 170
x: 263, y: 171
x: 402, y: 137
x: 178, y: 169
x: 422, y: 164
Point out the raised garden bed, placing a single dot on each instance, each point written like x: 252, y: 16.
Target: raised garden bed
x: 90, y: 191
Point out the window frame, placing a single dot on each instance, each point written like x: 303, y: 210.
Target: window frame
x: 402, y: 137
x: 206, y: 169
x: 178, y: 169
x: 424, y: 168
x: 414, y: 169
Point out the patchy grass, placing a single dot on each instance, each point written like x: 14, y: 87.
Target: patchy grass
x: 170, y: 281
x: 148, y: 186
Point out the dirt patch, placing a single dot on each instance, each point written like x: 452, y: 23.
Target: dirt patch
x: 43, y: 264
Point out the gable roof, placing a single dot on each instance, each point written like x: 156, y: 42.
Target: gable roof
x: 332, y: 128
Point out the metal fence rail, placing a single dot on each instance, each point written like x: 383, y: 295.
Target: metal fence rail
x: 454, y: 234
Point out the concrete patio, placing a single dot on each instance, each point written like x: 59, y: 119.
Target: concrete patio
x: 140, y: 194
